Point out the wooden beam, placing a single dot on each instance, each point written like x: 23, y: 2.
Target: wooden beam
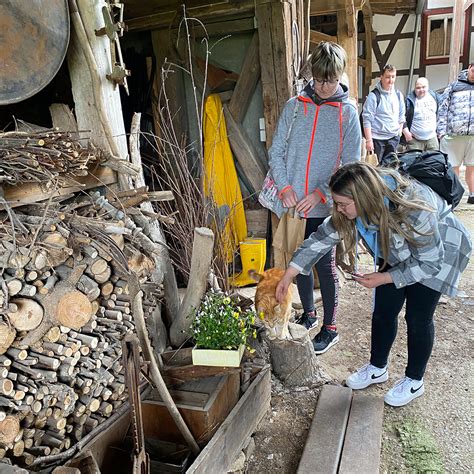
x: 327, y: 429
x: 347, y: 38
x: 244, y: 151
x: 212, y: 11
x: 321, y: 7
x: 455, y: 49
x: 245, y: 87
x: 316, y: 37
x: 364, y: 428
x: 30, y: 193
x: 275, y: 45
x: 367, y: 13
x: 224, y: 28
x: 97, y: 102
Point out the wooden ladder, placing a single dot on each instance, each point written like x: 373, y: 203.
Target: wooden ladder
x: 345, y: 434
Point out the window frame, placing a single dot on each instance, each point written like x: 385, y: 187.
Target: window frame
x: 439, y: 13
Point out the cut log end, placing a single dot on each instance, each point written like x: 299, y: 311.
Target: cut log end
x: 74, y: 310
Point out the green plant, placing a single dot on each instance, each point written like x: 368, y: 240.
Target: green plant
x: 221, y: 324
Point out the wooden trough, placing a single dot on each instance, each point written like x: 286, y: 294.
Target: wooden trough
x: 226, y: 442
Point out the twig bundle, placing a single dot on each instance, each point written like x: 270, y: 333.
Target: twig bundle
x: 52, y: 158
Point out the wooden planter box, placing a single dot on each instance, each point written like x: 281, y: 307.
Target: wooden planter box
x: 204, y: 404
x: 218, y: 358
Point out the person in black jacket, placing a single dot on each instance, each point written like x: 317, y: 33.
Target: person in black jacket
x: 419, y: 132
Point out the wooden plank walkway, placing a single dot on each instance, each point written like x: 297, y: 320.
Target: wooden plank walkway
x: 345, y: 434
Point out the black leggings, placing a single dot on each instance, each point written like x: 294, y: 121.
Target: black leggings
x: 328, y: 280
x: 421, y: 303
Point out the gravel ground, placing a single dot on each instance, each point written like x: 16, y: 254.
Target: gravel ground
x: 432, y: 434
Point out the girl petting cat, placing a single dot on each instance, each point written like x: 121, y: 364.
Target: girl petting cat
x: 317, y: 131
x: 420, y: 248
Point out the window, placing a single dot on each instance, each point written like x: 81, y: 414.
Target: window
x: 438, y: 36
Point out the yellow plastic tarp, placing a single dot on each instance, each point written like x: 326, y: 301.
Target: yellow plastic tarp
x: 220, y: 177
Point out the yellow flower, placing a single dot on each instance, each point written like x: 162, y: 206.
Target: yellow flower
x: 236, y: 315
x: 252, y: 319
x: 254, y: 334
x: 261, y: 315
x: 226, y: 300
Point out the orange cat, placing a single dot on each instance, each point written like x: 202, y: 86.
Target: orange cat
x: 275, y: 315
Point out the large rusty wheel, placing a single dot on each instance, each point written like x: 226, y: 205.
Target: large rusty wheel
x: 34, y: 39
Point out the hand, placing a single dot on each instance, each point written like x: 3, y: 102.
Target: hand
x: 285, y: 282
x: 289, y: 199
x: 369, y: 146
x: 308, y: 202
x: 408, y: 136
x: 372, y: 280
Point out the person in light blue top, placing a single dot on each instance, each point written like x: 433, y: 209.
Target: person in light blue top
x: 383, y: 115
x: 421, y: 249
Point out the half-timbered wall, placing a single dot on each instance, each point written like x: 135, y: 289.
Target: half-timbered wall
x: 394, y: 41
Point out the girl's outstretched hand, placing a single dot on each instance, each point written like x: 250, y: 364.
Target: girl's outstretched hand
x: 372, y: 280
x: 285, y: 282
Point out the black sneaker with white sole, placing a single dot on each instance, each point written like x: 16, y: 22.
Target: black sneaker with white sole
x: 307, y: 321
x: 324, y: 340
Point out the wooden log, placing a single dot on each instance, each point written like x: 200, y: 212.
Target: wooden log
x: 9, y: 429
x: 14, y: 286
x: 7, y: 336
x: 6, y: 387
x: 200, y: 264
x: 294, y: 360
x: 29, y: 314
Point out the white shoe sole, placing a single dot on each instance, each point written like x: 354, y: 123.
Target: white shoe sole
x: 394, y: 402
x: 359, y: 386
x: 332, y: 343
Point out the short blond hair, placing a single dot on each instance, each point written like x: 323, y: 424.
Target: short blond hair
x: 328, y: 61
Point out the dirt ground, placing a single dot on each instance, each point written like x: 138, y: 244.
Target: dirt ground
x: 432, y: 434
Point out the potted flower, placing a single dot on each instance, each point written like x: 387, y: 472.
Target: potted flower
x: 221, y: 330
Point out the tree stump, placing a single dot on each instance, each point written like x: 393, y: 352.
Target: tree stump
x: 294, y: 360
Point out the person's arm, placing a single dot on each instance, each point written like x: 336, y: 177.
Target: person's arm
x: 426, y: 257
x: 317, y: 245
x: 401, y: 113
x: 368, y: 115
x: 407, y: 134
x: 443, y: 112
x: 352, y: 138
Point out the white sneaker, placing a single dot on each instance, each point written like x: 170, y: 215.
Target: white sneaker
x: 404, y: 391
x: 367, y: 375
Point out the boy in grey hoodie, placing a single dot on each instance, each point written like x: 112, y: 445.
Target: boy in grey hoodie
x: 317, y: 132
x: 383, y: 115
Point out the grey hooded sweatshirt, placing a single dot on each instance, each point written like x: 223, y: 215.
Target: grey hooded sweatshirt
x: 324, y: 134
x: 385, y: 118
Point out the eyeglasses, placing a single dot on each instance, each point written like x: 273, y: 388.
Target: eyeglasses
x: 326, y: 83
x: 342, y: 205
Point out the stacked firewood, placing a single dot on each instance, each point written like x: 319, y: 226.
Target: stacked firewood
x: 64, y: 310
x: 52, y: 158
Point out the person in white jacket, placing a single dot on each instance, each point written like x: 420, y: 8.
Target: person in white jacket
x: 456, y: 125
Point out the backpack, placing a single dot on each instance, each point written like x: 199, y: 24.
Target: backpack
x: 378, y: 98
x: 433, y: 169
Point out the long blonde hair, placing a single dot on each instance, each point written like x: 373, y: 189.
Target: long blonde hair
x: 367, y: 187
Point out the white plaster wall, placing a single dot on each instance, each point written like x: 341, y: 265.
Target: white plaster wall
x: 431, y: 4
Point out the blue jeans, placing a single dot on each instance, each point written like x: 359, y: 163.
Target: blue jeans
x: 327, y: 273
x: 383, y: 148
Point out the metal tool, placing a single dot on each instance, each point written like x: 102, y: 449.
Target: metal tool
x: 131, y: 363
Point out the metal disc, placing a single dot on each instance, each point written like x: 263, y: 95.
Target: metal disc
x: 33, y: 42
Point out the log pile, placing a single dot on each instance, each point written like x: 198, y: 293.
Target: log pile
x: 64, y: 309
x: 52, y: 158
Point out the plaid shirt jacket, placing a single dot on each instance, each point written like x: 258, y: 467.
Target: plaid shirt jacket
x: 438, y: 260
